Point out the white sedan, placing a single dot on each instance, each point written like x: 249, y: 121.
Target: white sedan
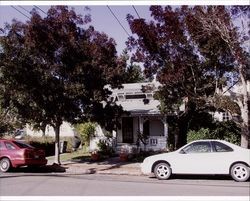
x: 201, y: 157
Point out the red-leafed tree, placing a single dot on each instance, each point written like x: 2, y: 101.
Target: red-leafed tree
x: 54, y: 70
x: 189, y: 71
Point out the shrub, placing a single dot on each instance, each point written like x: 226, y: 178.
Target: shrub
x: 228, y: 131
x: 46, y: 143
x: 86, y: 131
x: 203, y: 133
x: 105, y: 148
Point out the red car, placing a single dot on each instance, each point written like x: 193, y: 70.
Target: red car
x: 14, y: 154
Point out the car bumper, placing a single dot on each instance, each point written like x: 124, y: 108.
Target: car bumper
x: 25, y: 162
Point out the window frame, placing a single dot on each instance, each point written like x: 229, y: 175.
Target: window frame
x: 215, y: 150
x: 189, y: 145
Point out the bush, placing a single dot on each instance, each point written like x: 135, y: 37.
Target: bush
x: 228, y: 131
x: 203, y: 133
x: 47, y: 143
x: 86, y: 131
x: 105, y: 148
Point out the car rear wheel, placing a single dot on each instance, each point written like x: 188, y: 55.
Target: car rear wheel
x: 162, y: 171
x: 240, y: 172
x: 5, y: 164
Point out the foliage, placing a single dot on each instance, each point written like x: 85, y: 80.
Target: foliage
x: 9, y: 120
x: 203, y: 133
x: 105, y: 148
x: 133, y: 72
x: 216, y: 22
x: 228, y: 131
x: 222, y: 130
x: 192, y: 59
x: 86, y: 131
x: 54, y: 70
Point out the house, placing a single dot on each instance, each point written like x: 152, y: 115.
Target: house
x: 235, y: 92
x: 144, y: 119
x: 66, y: 130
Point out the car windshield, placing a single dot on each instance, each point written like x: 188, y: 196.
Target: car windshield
x: 22, y: 145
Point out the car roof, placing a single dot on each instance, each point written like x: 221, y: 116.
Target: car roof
x: 209, y: 140
x: 7, y: 140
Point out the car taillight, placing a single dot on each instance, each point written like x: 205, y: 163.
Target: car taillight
x: 28, y: 154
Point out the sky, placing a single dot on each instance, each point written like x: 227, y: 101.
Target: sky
x: 102, y: 18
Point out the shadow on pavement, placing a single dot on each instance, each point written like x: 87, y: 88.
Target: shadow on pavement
x: 198, y: 177
x: 43, y: 169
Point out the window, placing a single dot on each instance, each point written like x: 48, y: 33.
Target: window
x: 22, y: 145
x: 1, y: 146
x: 127, y: 130
x: 135, y: 96
x: 225, y: 116
x: 198, y: 147
x: 153, y: 141
x: 9, y: 146
x: 220, y: 147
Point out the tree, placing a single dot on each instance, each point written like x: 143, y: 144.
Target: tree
x: 133, y: 72
x: 86, y: 131
x: 54, y: 70
x: 9, y: 120
x: 187, y: 75
x: 207, y: 22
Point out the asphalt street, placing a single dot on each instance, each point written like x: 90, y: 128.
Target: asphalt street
x: 60, y: 184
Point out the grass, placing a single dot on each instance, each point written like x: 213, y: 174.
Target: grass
x: 78, y: 155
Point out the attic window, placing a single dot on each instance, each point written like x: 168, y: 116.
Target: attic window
x: 135, y: 96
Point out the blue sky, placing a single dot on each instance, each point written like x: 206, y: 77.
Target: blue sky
x: 102, y: 19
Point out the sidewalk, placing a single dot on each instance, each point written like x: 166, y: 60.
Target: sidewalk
x: 110, y: 166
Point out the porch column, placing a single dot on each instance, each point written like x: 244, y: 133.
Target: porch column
x: 140, y: 124
x: 165, y: 124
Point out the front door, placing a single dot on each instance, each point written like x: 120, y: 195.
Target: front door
x: 127, y: 130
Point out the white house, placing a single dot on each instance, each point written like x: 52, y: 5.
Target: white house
x: 144, y: 118
x: 66, y: 130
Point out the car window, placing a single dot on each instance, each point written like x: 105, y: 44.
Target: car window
x: 22, y: 145
x: 198, y: 147
x: 1, y: 146
x: 9, y: 146
x: 220, y: 147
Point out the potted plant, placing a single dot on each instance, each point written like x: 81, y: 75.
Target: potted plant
x: 95, y: 155
x: 124, y: 154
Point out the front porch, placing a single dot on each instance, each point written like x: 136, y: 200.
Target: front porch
x: 154, y: 130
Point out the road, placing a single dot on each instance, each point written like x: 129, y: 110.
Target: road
x: 51, y: 184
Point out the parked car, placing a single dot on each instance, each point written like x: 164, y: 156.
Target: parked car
x: 15, y: 153
x: 201, y: 157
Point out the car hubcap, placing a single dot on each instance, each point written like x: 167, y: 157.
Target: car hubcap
x: 162, y: 171
x: 4, y: 165
x: 240, y: 172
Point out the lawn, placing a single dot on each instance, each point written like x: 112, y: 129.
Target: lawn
x: 79, y: 155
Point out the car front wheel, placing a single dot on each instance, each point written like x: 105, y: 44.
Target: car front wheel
x: 5, y: 164
x: 240, y: 172
x: 162, y: 171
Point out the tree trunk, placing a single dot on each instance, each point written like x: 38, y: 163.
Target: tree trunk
x: 244, y: 111
x: 245, y: 123
x: 57, y: 144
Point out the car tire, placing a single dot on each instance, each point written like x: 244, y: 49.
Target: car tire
x: 240, y: 172
x: 5, y: 165
x: 162, y: 171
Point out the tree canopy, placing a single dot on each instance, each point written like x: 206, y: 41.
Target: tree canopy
x: 54, y: 70
x: 191, y: 61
